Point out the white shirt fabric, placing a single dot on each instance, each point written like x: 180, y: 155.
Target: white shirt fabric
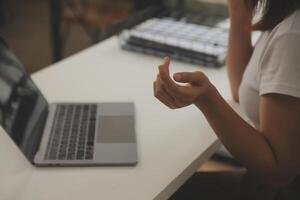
x: 273, y: 68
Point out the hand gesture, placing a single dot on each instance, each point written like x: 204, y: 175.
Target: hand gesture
x: 196, y: 88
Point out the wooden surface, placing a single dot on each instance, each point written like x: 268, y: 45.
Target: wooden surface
x: 213, y: 165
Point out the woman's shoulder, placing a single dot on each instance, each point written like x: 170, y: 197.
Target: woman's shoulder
x: 295, y: 22
x: 287, y: 30
x: 290, y: 25
x: 282, y: 44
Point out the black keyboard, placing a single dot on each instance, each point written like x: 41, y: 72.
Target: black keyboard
x: 73, y: 132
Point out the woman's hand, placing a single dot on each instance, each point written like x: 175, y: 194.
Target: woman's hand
x: 196, y: 90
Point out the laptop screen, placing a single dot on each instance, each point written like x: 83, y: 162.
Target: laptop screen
x: 23, y: 109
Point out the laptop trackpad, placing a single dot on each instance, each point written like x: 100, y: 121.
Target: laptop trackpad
x: 116, y: 129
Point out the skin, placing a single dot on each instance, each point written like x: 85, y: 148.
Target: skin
x: 240, y: 46
x: 272, y: 152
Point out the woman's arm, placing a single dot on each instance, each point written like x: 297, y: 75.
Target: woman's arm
x: 239, y: 47
x: 272, y: 153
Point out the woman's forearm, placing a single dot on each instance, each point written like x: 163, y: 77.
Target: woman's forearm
x: 239, y: 45
x: 259, y: 151
x: 245, y: 143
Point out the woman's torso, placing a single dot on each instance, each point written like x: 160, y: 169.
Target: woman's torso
x: 258, y: 76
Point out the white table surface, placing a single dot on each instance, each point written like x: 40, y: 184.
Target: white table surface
x: 171, y: 143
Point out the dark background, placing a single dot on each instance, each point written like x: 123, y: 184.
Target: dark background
x: 25, y: 26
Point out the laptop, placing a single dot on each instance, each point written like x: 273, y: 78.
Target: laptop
x: 63, y: 134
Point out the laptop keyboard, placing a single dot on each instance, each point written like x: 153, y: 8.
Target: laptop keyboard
x: 73, y: 132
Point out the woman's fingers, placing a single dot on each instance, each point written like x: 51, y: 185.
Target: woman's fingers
x: 171, y: 88
x: 161, y: 94
x: 172, y: 94
x: 169, y: 84
x: 195, y: 78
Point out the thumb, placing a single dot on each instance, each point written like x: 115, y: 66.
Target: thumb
x: 195, y: 78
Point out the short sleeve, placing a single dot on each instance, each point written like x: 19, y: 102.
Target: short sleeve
x: 280, y: 66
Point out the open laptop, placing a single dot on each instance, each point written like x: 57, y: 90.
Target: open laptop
x: 63, y: 133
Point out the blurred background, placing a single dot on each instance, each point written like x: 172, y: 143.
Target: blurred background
x: 41, y: 32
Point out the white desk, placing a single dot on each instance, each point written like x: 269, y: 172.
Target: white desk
x: 171, y: 143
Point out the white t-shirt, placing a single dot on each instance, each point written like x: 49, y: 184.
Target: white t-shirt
x: 274, y: 66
